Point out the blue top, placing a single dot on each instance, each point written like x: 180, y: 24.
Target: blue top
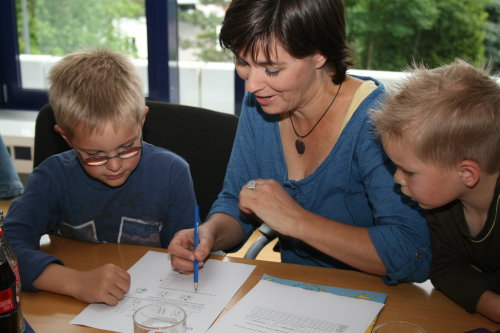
x: 61, y: 199
x: 353, y: 185
x: 10, y: 184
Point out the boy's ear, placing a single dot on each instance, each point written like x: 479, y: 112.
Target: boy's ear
x: 146, y: 111
x: 59, y: 130
x: 470, y: 172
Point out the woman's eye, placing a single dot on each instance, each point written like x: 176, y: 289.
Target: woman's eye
x: 272, y: 72
x: 240, y: 62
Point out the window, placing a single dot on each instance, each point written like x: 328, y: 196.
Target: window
x: 207, y: 74
x: 175, y: 42
x: 36, y: 33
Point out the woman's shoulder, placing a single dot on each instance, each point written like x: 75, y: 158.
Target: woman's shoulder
x: 366, y: 86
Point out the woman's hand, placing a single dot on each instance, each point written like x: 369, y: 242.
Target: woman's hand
x: 182, y: 252
x: 347, y: 243
x: 270, y: 202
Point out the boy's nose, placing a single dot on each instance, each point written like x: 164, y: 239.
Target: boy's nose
x: 398, y: 178
x: 114, y: 163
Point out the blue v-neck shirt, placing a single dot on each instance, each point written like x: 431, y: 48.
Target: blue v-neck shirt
x: 353, y: 185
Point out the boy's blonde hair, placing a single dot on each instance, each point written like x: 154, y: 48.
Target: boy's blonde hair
x: 94, y: 87
x: 446, y: 115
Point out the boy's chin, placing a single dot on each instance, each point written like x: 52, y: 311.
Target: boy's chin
x: 426, y: 206
x: 114, y: 183
x: 117, y: 182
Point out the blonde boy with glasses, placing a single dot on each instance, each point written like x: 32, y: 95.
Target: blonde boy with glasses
x: 441, y: 127
x: 111, y: 187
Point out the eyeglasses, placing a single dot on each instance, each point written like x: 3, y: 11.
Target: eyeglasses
x: 101, y: 160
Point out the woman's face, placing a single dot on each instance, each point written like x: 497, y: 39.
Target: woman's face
x: 284, y: 83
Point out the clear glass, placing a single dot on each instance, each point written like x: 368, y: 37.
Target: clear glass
x: 206, y: 72
x: 398, y: 327
x: 49, y: 30
x: 160, y: 318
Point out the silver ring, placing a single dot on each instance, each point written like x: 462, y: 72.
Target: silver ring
x: 252, y: 185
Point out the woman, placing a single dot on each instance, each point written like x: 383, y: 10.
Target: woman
x: 304, y: 159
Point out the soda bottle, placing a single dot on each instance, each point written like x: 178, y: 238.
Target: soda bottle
x: 9, y: 308
x: 11, y: 259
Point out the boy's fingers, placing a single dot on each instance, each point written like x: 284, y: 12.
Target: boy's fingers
x: 117, y: 292
x: 123, y: 284
x: 124, y: 275
x: 109, y: 299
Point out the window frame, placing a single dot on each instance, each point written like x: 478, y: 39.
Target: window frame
x: 163, y: 73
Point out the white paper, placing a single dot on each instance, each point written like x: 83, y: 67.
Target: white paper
x: 153, y: 280
x: 274, y: 307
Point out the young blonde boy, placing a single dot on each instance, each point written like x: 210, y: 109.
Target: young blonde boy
x: 441, y: 127
x: 111, y: 187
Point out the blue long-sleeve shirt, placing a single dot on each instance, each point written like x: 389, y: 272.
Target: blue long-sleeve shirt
x: 61, y: 199
x: 353, y: 185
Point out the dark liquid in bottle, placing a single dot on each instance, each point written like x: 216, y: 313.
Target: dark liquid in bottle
x: 9, y: 309
x: 9, y: 323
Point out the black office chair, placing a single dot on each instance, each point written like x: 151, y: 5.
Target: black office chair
x: 204, y: 138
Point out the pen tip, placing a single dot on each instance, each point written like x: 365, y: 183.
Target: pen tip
x: 195, y: 286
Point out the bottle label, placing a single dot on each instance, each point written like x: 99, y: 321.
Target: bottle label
x: 7, y: 302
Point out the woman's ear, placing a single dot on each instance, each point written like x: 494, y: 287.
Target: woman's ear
x: 470, y: 172
x: 320, y: 60
x: 59, y: 130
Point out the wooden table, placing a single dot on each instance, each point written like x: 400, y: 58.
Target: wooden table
x: 417, y: 303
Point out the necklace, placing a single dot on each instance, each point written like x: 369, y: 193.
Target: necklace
x: 492, y: 225
x: 300, y: 146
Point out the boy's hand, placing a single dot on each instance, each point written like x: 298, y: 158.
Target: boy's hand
x: 489, y: 305
x: 106, y: 284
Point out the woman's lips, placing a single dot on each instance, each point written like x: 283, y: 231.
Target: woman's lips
x: 265, y: 100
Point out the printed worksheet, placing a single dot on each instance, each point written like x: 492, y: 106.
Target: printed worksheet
x: 272, y: 307
x: 154, y: 280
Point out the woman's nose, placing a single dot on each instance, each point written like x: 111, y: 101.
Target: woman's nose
x: 254, y: 82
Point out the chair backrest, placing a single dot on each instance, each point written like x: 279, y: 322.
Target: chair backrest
x: 204, y: 138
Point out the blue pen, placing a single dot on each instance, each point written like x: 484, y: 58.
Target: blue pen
x: 196, y: 239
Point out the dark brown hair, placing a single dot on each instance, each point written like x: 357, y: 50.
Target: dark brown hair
x: 302, y: 27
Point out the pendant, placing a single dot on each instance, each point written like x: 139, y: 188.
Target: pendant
x: 300, y: 146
